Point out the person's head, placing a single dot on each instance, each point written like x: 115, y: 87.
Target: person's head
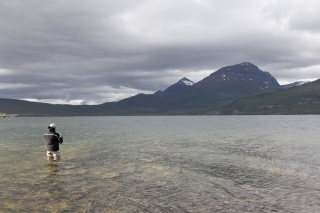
x: 52, y: 127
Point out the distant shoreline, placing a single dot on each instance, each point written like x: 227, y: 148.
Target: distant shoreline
x: 4, y: 115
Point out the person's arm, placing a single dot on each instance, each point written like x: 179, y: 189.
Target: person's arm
x: 60, y: 138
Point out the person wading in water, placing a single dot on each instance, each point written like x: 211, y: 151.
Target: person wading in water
x: 53, y: 140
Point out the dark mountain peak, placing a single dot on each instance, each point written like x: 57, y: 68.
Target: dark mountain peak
x: 247, y: 64
x: 239, y: 77
x: 178, y: 87
x: 185, y: 81
x: 245, y: 68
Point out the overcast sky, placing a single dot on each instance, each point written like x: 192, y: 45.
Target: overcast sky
x: 96, y: 51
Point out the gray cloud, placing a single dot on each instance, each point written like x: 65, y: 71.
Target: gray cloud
x: 89, y: 52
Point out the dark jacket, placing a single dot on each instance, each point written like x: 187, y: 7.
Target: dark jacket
x: 53, y: 140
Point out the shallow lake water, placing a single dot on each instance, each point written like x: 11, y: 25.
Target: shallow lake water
x: 162, y: 164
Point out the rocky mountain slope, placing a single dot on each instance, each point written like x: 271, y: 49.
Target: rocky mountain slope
x: 244, y: 77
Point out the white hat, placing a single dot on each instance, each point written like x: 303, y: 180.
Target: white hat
x: 52, y: 125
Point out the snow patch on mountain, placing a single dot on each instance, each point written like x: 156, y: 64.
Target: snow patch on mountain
x: 294, y: 84
x: 187, y: 82
x: 247, y: 64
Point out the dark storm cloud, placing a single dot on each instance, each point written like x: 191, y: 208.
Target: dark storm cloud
x: 96, y: 51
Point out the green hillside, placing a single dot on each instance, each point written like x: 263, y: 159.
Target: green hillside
x: 303, y: 99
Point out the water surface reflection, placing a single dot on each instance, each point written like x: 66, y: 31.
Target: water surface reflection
x: 165, y: 164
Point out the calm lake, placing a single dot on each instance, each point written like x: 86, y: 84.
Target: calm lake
x: 162, y: 164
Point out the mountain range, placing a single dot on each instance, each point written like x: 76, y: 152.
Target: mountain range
x: 294, y: 84
x: 237, y: 89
